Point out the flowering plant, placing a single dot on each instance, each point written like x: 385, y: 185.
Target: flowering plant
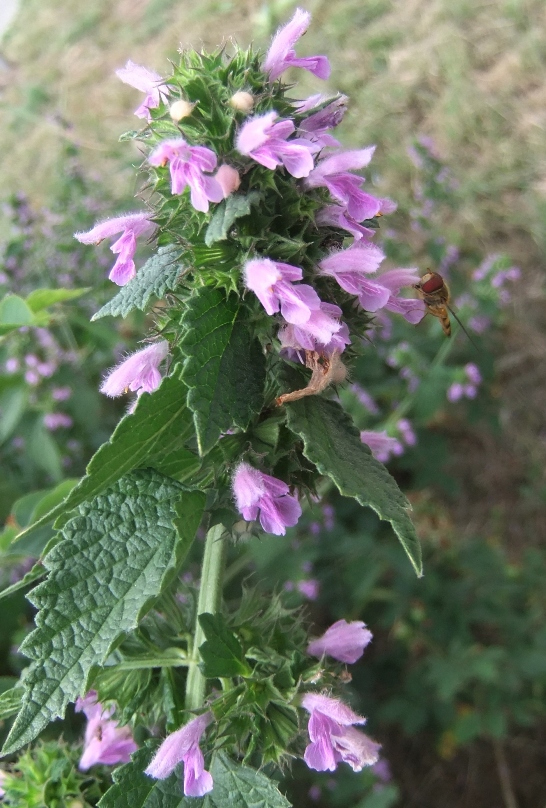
x: 263, y: 282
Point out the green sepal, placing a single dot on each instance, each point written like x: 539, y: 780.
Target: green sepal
x: 222, y: 653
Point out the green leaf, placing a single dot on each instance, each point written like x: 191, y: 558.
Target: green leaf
x: 13, y: 402
x: 42, y: 298
x: 14, y: 313
x: 115, y: 558
x: 158, y: 275
x: 224, y: 367
x: 44, y: 451
x: 10, y: 702
x: 189, y: 512
x: 228, y: 212
x: 333, y: 444
x: 222, y: 653
x: 160, y: 419
x: 235, y: 786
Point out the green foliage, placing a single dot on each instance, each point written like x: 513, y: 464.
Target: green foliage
x: 333, y: 444
x: 222, y: 653
x: 224, y: 367
x: 82, y: 617
x: 159, y: 275
x: 227, y: 213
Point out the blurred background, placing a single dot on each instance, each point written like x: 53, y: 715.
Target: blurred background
x: 453, y: 92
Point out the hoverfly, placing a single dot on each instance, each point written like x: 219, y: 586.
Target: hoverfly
x: 434, y: 292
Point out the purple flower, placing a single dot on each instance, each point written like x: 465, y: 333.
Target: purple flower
x: 57, y: 420
x: 333, y: 173
x: 337, y: 216
x: 333, y: 737
x: 281, y: 54
x: 104, y: 742
x: 322, y: 333
x: 61, y: 393
x: 12, y: 365
x: 182, y: 746
x: 365, y: 399
x: 381, y: 445
x: 349, y: 267
x: 473, y: 373
x: 130, y: 226
x: 455, y: 392
x: 316, y: 126
x: 188, y: 165
x: 2, y: 781
x: 266, y: 142
x: 344, y: 641
x: 406, y: 431
x: 413, y: 310
x: 309, y: 588
x: 271, y: 282
x: 139, y: 372
x: 256, y: 492
x: 147, y: 81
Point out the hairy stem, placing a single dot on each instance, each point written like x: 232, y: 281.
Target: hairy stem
x: 210, y: 596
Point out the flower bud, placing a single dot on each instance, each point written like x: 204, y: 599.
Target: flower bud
x: 242, y: 101
x: 180, y: 109
x: 228, y: 179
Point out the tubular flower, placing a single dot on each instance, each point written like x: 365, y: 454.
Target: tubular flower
x: 188, y: 165
x: 105, y: 742
x: 147, y: 81
x: 281, y: 54
x: 138, y: 372
x: 182, y: 746
x: 337, y: 216
x: 333, y: 737
x: 349, y: 267
x: 295, y: 339
x: 333, y: 173
x: 266, y: 142
x: 130, y: 226
x: 381, y: 445
x: 257, y: 493
x: 413, y: 310
x: 316, y: 126
x: 344, y: 641
x: 271, y: 282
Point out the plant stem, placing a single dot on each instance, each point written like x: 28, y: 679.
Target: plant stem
x: 210, y: 595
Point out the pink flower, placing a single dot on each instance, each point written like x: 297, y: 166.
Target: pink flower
x: 228, y: 179
x: 266, y: 142
x: 130, y: 226
x: 309, y: 588
x: 147, y: 81
x: 337, y: 216
x: 104, y: 742
x: 257, y: 493
x: 281, y: 54
x: 343, y: 641
x: 316, y: 126
x: 333, y: 737
x: 182, y: 746
x: 139, y: 372
x: 333, y: 173
x: 322, y: 333
x: 381, y: 445
x: 188, y: 165
x: 413, y: 310
x: 271, y: 282
x: 349, y: 267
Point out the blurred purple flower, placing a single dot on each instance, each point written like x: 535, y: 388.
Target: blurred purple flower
x: 333, y: 737
x: 187, y: 165
x: 266, y: 142
x: 12, y: 365
x: 473, y: 373
x: 139, y: 372
x: 104, y: 742
x: 343, y: 641
x: 147, y: 81
x: 61, y: 393
x: 182, y: 746
x: 455, y: 392
x: 130, y: 226
x: 381, y: 445
x: 309, y: 588
x: 365, y: 399
x: 258, y: 493
x: 57, y: 420
x: 281, y: 54
x: 406, y: 432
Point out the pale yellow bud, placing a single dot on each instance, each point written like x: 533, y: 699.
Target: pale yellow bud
x: 242, y: 102
x: 180, y: 109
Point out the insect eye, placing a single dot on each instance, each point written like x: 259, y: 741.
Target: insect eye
x: 433, y: 283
